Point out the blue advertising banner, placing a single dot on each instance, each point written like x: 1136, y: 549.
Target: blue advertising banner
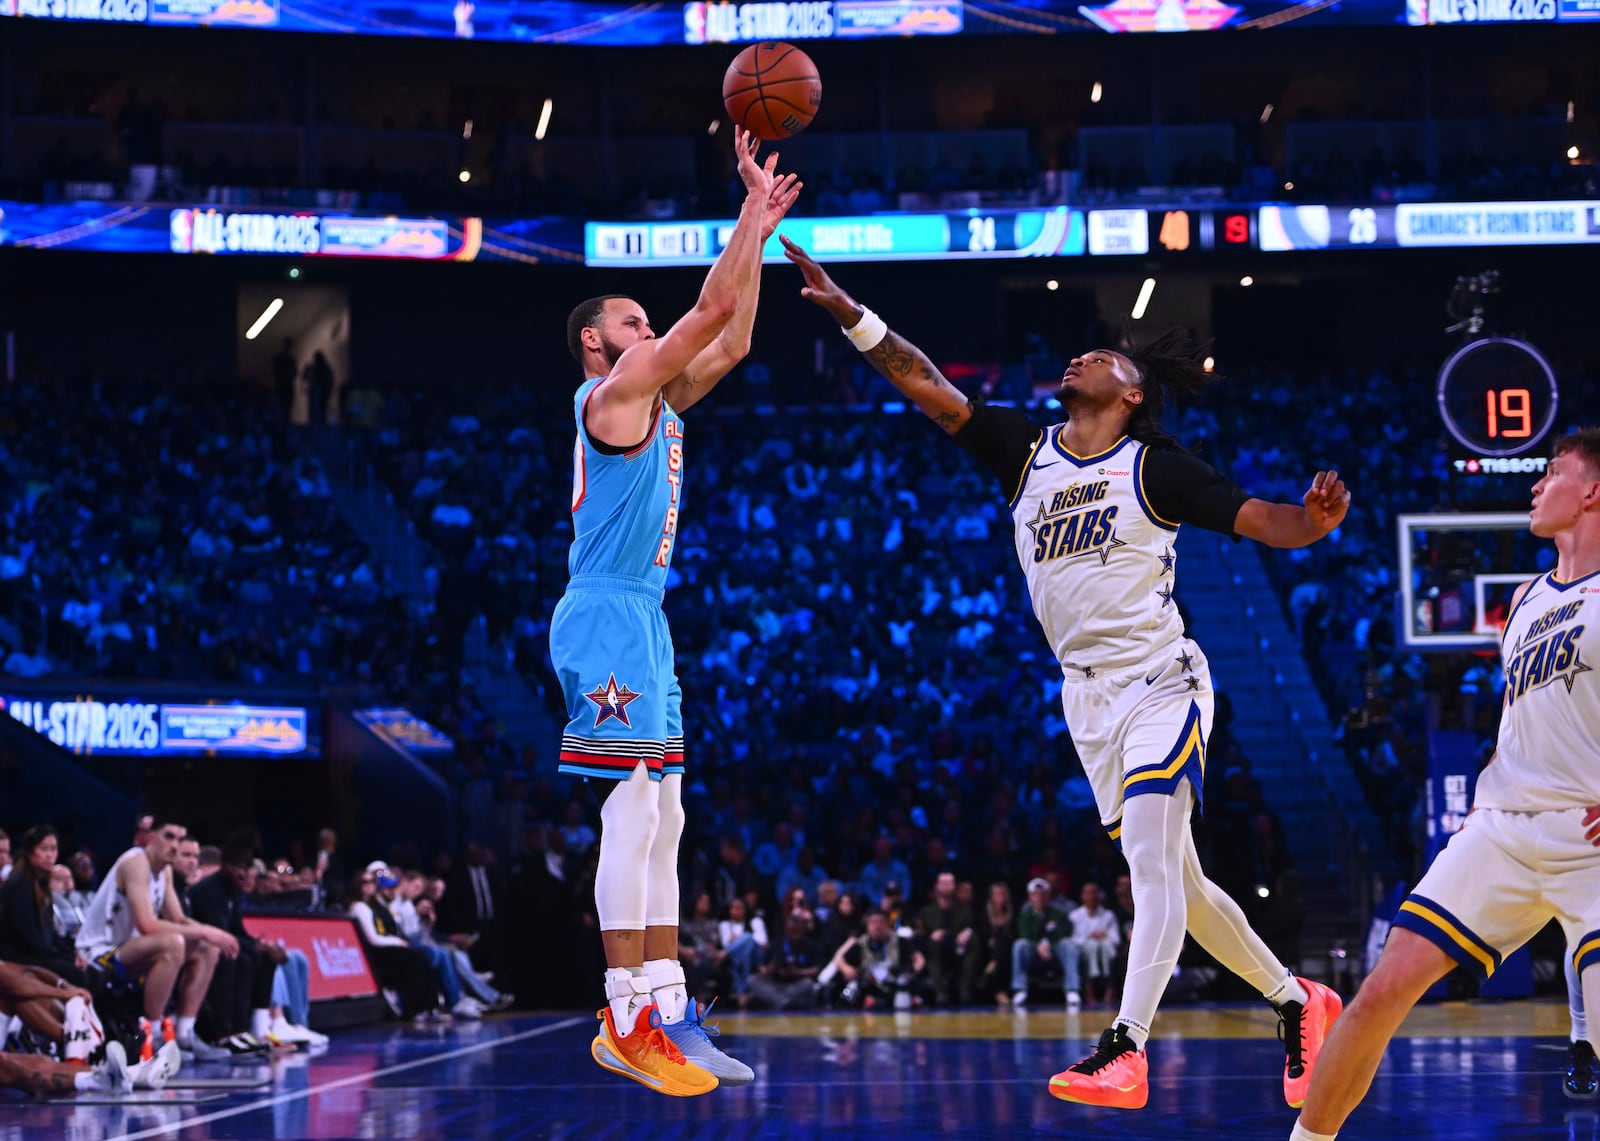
x: 129, y: 726
x: 406, y: 730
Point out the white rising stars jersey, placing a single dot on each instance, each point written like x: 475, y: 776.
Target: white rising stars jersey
x: 1096, y: 534
x: 1548, y: 755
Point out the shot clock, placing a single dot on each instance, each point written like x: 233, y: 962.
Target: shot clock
x: 1498, y: 398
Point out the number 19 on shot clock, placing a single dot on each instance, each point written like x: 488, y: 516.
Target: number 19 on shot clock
x: 1498, y: 396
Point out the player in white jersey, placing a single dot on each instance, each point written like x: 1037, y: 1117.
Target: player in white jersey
x: 135, y: 928
x: 1096, y: 503
x: 1530, y: 849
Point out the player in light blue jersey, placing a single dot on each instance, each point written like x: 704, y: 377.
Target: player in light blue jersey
x: 609, y: 639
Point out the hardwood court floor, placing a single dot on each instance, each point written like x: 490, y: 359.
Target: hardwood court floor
x: 1466, y: 1071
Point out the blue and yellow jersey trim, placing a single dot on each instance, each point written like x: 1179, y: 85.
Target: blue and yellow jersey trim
x: 1144, y: 500
x: 1424, y: 917
x: 1083, y: 461
x: 1186, y: 761
x: 1587, y: 952
x: 1027, y: 470
x: 1114, y: 830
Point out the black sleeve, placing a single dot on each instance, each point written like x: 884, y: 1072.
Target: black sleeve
x: 1003, y: 439
x: 23, y: 930
x: 1181, y: 488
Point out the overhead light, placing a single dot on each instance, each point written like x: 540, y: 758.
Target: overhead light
x: 1288, y: 186
x: 1572, y: 153
x: 1569, y: 110
x: 1209, y: 363
x: 1247, y: 281
x: 1143, y: 303
x: 1266, y: 112
x: 466, y: 129
x: 1095, y: 92
x: 1052, y: 285
x: 715, y: 124
x: 544, y: 119
x: 465, y: 175
x: 262, y: 321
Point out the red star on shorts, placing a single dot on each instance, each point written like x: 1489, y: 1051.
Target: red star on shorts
x: 613, y: 702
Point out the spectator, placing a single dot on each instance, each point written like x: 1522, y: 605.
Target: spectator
x: 744, y: 939
x: 878, y: 966
x: 885, y: 869
x: 400, y: 967
x: 240, y: 997
x: 1044, y: 935
x: 947, y: 930
x: 28, y: 932
x: 997, y: 930
x: 1097, y: 936
x: 787, y: 977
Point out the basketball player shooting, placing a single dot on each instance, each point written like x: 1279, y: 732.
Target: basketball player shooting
x: 1097, y: 502
x: 1530, y: 849
x: 609, y: 638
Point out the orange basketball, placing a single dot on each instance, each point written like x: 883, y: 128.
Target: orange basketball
x: 772, y: 90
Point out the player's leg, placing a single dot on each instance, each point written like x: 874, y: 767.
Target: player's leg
x: 1581, y: 1079
x: 1308, y: 1009
x: 157, y: 959
x: 1477, y: 902
x: 199, y: 965
x: 1572, y: 890
x: 43, y: 1077
x: 1163, y: 743
x: 682, y: 1016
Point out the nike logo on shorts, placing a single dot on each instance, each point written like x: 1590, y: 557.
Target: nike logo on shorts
x: 1151, y: 680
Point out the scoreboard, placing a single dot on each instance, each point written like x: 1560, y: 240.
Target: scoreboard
x: 1064, y: 231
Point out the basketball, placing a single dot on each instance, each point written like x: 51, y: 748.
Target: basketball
x: 772, y: 90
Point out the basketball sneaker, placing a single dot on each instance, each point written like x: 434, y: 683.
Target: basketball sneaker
x: 693, y: 1037
x: 1581, y: 1080
x: 1303, y: 1028
x: 648, y: 1056
x: 1116, y: 1075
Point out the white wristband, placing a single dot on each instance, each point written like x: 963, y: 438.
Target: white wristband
x: 867, y: 332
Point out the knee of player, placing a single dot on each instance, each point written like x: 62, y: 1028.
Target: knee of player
x: 169, y: 945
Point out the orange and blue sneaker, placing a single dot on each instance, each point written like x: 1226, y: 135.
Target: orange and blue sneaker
x: 648, y: 1056
x: 1116, y: 1075
x: 693, y: 1037
x: 1303, y: 1028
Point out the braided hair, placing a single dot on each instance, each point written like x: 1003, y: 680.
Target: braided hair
x: 1167, y: 369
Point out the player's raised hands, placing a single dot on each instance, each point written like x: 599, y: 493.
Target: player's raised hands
x: 1327, y: 501
x: 819, y: 287
x: 758, y: 178
x: 784, y: 193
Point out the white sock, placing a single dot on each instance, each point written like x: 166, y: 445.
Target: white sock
x: 628, y: 992
x: 1290, y: 989
x: 185, y: 1029
x: 259, y: 1021
x: 668, y: 985
x: 90, y: 1080
x: 1136, y: 1033
x: 1580, y: 1020
x: 76, y: 1031
x: 1301, y: 1133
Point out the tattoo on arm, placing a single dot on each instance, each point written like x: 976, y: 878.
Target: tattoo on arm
x: 908, y: 368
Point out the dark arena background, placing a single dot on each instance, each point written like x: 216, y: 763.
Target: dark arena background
x: 285, y: 509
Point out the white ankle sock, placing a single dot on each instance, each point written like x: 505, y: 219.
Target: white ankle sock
x: 1137, y: 1034
x: 627, y: 990
x: 185, y: 1029
x: 668, y: 985
x: 90, y: 1080
x: 259, y: 1021
x: 1301, y: 1133
x: 1290, y: 989
x: 76, y: 1031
